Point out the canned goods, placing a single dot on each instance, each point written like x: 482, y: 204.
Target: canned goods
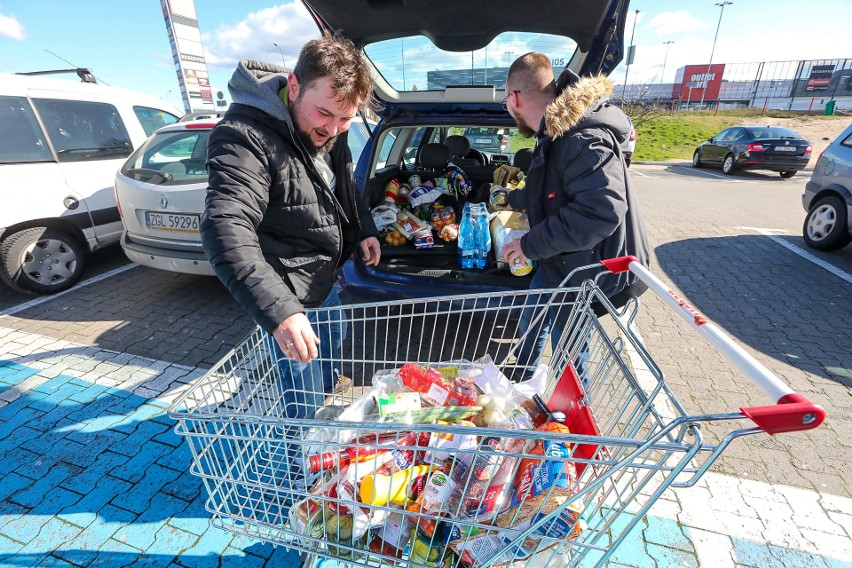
x: 392, y: 190
x: 415, y: 181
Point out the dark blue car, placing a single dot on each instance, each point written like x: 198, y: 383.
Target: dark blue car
x: 441, y: 69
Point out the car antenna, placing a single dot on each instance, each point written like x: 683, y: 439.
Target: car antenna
x: 97, y: 79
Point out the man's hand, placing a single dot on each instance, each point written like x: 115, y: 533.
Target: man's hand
x: 371, y: 250
x: 297, y: 339
x: 513, y: 254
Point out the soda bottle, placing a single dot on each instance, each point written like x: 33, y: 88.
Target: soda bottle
x: 467, y: 238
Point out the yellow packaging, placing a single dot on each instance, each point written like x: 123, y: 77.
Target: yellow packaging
x: 506, y: 227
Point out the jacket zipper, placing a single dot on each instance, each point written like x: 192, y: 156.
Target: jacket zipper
x: 338, y: 208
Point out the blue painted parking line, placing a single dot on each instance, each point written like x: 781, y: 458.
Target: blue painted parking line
x: 96, y: 476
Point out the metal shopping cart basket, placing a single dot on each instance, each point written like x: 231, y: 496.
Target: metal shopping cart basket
x: 378, y: 475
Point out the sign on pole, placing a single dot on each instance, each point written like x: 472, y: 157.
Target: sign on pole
x: 188, y: 54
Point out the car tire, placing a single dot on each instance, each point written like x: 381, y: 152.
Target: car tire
x: 696, y: 160
x: 826, y: 226
x: 787, y: 175
x: 23, y: 256
x: 728, y: 165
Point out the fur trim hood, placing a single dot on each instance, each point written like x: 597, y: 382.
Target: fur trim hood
x: 585, y: 100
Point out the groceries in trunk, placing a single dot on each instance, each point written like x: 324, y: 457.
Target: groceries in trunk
x: 447, y: 211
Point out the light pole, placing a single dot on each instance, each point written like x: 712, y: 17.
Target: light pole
x: 508, y: 54
x: 282, y: 54
x: 712, y: 51
x: 630, y: 54
x: 665, y: 57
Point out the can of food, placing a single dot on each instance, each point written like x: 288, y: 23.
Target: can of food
x: 392, y: 190
x: 518, y: 268
x: 415, y: 181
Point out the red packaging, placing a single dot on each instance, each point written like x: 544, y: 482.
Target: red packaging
x: 434, y: 385
x: 366, y: 447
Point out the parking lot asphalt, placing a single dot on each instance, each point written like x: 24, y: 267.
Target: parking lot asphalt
x: 96, y: 477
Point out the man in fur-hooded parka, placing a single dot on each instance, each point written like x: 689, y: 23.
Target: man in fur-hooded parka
x: 578, y: 196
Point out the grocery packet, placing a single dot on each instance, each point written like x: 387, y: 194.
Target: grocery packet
x: 476, y: 549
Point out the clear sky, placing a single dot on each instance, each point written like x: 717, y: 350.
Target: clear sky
x: 125, y: 43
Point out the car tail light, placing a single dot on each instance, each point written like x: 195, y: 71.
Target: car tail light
x: 194, y: 125
x: 632, y: 134
x: 117, y: 202
x: 505, y: 139
x: 810, y: 148
x: 755, y: 148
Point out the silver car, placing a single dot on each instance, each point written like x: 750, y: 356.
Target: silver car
x: 828, y: 197
x: 160, y: 191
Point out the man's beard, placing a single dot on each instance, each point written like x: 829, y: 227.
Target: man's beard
x: 524, y: 128
x: 305, y: 137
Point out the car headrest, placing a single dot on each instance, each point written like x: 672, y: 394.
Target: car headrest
x: 434, y: 156
x: 523, y: 158
x: 458, y: 145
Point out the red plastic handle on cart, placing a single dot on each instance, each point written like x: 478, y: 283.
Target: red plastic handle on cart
x: 620, y: 264
x: 792, y: 411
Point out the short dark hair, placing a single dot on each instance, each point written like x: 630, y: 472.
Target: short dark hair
x: 532, y: 73
x: 337, y: 57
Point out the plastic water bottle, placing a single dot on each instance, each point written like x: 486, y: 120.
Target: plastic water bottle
x: 467, y: 238
x: 483, y: 236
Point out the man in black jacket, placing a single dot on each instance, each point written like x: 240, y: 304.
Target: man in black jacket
x: 579, y: 199
x: 281, y: 215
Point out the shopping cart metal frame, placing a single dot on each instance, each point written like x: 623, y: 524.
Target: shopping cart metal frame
x: 626, y: 451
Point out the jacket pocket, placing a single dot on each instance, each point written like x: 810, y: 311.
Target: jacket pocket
x: 310, y: 277
x: 556, y: 268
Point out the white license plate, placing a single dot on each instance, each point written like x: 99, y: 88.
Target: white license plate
x: 172, y: 222
x: 785, y: 148
x: 483, y: 141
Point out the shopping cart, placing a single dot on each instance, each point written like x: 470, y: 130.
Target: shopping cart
x: 521, y: 497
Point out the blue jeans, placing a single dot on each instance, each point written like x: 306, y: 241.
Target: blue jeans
x: 305, y: 385
x: 538, y: 319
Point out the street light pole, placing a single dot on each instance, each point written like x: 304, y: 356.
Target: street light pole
x: 282, y: 54
x: 665, y: 58
x: 712, y: 51
x: 627, y: 71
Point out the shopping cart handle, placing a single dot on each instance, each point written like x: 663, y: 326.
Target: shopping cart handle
x: 791, y: 412
x: 620, y: 264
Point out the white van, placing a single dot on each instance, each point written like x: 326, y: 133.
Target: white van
x: 61, y: 143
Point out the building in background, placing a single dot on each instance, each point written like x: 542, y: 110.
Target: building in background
x: 188, y: 54
x: 809, y: 85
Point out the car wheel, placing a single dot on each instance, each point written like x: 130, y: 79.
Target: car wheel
x: 41, y: 260
x: 627, y: 161
x: 696, y: 160
x: 728, y: 166
x: 825, y: 226
x: 787, y: 175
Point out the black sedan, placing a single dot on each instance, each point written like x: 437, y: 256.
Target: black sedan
x: 755, y: 148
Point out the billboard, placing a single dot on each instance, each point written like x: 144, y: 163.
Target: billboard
x: 188, y: 54
x: 695, y: 82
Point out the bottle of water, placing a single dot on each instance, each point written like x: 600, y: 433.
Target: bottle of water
x: 467, y: 238
x: 483, y: 236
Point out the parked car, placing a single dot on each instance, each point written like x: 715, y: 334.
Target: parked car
x: 433, y: 104
x: 828, y: 197
x: 160, y: 191
x: 755, y: 148
x: 61, y: 144
x: 629, y: 145
x: 489, y: 140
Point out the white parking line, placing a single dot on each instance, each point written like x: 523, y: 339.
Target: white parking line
x: 801, y: 252
x: 637, y: 172
x: 43, y: 299
x: 728, y: 179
